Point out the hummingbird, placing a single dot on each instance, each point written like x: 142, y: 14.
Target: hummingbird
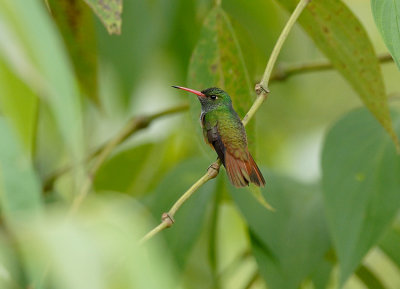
x: 224, y: 132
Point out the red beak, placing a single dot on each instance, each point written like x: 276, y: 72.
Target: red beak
x: 190, y: 90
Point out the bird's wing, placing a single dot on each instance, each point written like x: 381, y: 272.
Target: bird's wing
x: 214, y: 139
x: 237, y: 160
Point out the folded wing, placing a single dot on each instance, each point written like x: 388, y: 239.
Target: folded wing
x: 240, y: 165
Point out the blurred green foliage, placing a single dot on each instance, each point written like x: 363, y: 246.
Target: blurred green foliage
x: 67, y: 86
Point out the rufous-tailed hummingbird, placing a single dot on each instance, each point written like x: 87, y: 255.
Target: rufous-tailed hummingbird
x: 224, y: 131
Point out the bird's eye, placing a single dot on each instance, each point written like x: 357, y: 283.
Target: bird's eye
x: 213, y: 97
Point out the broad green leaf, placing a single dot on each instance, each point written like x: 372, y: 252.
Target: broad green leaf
x: 387, y: 18
x: 109, y: 12
x: 20, y: 190
x: 342, y: 38
x: 290, y: 243
x: 20, y: 105
x: 190, y: 217
x: 361, y: 186
x: 31, y: 47
x: 76, y: 24
x: 217, y: 61
x: 125, y: 170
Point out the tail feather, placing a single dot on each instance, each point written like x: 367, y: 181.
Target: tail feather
x: 256, y: 176
x: 242, y: 172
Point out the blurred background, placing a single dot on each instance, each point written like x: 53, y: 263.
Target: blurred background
x: 72, y: 211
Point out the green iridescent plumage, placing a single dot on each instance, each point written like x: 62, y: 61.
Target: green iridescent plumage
x: 224, y: 131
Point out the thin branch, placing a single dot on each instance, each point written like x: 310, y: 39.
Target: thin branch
x: 167, y: 219
x: 283, y: 72
x: 134, y: 125
x: 262, y: 92
x: 262, y: 87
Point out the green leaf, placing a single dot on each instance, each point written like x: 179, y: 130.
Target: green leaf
x: 127, y: 169
x: 31, y: 48
x: 109, y: 12
x: 20, y: 190
x: 217, y: 61
x: 342, y: 38
x: 76, y: 24
x: 361, y: 186
x: 14, y: 92
x: 190, y: 217
x: 387, y: 18
x: 390, y: 245
x: 290, y: 243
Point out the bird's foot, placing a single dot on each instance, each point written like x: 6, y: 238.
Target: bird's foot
x: 213, y: 169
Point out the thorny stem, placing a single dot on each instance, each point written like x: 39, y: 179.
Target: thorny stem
x: 262, y: 92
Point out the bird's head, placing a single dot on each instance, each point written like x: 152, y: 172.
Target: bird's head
x: 210, y: 98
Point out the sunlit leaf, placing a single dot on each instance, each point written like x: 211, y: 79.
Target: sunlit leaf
x: 32, y: 49
x: 14, y: 92
x: 75, y: 21
x: 290, y: 243
x: 217, y: 61
x: 342, y: 38
x: 361, y: 185
x: 109, y: 12
x: 387, y: 18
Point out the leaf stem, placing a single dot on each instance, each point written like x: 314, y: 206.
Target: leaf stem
x: 282, y: 73
x: 262, y: 92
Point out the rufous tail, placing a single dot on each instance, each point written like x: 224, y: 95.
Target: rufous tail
x: 242, y: 172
